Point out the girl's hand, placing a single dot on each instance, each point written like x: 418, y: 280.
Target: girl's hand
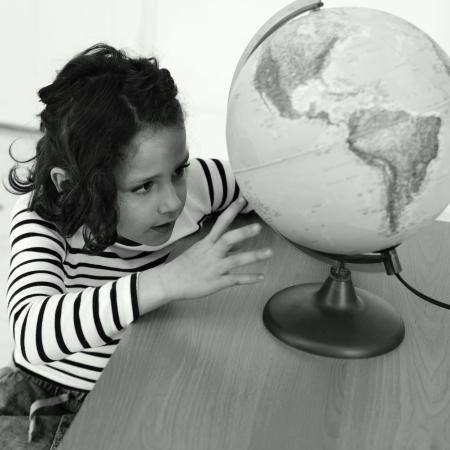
x: 205, y: 267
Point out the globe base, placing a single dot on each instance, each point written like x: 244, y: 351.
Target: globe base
x: 334, y: 319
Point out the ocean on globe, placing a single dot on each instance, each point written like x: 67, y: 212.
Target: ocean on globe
x: 338, y: 130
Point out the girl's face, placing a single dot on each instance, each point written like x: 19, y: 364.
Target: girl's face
x: 151, y: 185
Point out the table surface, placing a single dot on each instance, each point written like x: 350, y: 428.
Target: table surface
x: 206, y: 374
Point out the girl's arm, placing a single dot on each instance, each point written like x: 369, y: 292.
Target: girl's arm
x: 49, y: 323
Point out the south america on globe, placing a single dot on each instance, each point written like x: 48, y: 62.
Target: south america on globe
x: 338, y: 130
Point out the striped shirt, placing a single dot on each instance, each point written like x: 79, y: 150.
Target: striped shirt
x: 67, y: 308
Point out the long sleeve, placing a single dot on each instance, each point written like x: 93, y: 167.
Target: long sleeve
x: 220, y: 183
x: 47, y: 320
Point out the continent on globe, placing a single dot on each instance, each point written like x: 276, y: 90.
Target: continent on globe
x: 277, y: 81
x: 401, y: 146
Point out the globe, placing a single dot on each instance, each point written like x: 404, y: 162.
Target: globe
x: 338, y: 134
x: 338, y: 129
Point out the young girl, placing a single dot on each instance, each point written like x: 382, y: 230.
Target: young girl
x: 110, y: 191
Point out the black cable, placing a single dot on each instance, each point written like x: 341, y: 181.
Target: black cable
x: 421, y: 295
x: 392, y: 266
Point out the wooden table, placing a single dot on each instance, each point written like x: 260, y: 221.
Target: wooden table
x: 207, y: 375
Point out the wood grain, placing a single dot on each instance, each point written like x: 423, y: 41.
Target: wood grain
x: 207, y: 375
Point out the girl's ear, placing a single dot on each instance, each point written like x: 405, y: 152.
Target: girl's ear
x: 58, y: 176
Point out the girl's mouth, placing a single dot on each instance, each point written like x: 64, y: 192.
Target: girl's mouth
x: 164, y: 227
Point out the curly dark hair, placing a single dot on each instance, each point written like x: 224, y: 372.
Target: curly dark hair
x: 98, y: 102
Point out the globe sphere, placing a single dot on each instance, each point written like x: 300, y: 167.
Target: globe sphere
x: 338, y: 130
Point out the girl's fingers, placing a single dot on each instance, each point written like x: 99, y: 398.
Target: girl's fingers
x: 226, y: 218
x: 243, y: 258
x: 243, y: 278
x: 233, y: 237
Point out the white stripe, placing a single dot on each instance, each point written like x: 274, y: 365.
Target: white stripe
x: 30, y: 335
x: 124, y: 301
x: 49, y: 341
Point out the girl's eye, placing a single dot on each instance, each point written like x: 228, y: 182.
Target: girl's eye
x: 144, y: 188
x: 179, y: 173
x: 182, y: 170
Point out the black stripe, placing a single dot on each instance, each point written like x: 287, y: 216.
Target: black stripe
x: 77, y: 322
x: 146, y: 266
x: 236, y: 191
x: 100, y: 355
x: 113, y: 342
x: 76, y: 251
x: 208, y: 179
x: 16, y: 316
x: 224, y: 181
x: 35, y: 222
x: 22, y: 336
x: 50, y: 261
x: 115, y: 311
x: 46, y: 236
x: 36, y: 283
x: 26, y: 274
x: 92, y: 277
x: 20, y: 212
x: 48, y: 380
x: 81, y: 365
x: 22, y: 299
x: 58, y: 332
x: 97, y: 321
x: 37, y: 249
x: 82, y: 286
x: 200, y: 222
x: 111, y: 277
x: 134, y: 299
x: 77, y: 286
x: 73, y: 375
x: 39, y: 345
x: 128, y: 242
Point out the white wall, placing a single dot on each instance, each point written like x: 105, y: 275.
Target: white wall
x: 38, y: 36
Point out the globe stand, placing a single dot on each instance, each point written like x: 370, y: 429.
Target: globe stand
x: 334, y: 319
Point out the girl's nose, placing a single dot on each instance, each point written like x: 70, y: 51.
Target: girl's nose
x: 170, y: 201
